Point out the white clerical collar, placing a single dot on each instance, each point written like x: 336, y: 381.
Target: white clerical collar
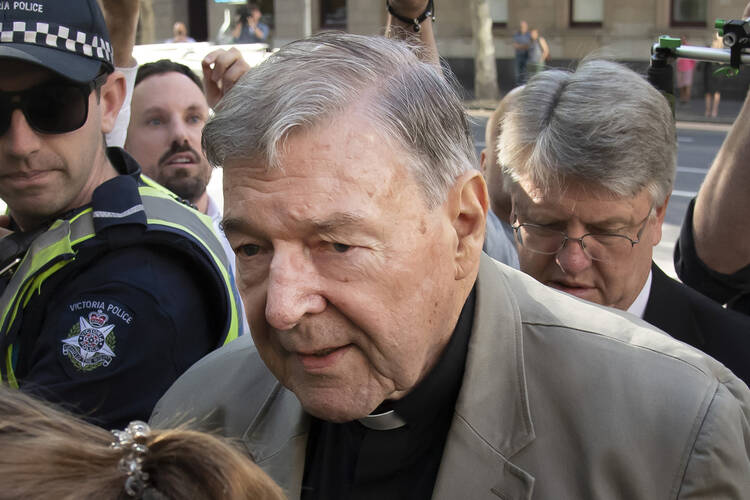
x: 212, y: 209
x: 638, y: 307
x: 383, y: 421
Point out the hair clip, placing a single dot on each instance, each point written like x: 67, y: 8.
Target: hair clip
x: 134, y: 452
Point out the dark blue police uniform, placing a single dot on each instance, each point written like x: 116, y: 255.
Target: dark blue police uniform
x: 143, y: 298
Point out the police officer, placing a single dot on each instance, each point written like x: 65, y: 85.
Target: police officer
x: 111, y: 287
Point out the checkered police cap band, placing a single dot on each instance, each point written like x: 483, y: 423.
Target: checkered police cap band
x: 51, y: 35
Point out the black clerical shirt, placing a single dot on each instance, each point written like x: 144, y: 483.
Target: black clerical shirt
x: 350, y: 461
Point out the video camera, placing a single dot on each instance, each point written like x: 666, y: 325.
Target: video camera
x: 242, y: 14
x: 735, y: 35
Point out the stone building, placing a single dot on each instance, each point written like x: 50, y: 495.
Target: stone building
x: 621, y: 29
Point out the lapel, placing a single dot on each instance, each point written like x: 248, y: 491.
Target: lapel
x: 277, y: 440
x: 492, y: 421
x: 669, y: 309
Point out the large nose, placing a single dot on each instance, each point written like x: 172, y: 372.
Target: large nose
x: 179, y: 131
x: 293, y: 287
x: 20, y: 140
x: 572, y: 259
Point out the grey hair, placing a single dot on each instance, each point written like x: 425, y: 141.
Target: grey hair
x: 313, y: 81
x: 602, y: 125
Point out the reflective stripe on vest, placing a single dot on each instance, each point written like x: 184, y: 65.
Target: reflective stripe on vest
x: 51, y: 249
x: 200, y: 228
x: 159, y: 200
x: 54, y: 248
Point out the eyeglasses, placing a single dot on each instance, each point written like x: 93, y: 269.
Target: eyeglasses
x: 603, y: 247
x: 52, y: 107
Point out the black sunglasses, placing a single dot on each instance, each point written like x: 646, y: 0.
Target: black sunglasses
x: 50, y: 108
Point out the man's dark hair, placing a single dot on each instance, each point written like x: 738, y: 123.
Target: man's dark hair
x: 165, y: 66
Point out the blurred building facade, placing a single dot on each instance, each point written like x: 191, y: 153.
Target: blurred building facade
x: 621, y: 29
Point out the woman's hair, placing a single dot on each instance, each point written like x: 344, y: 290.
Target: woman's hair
x: 47, y: 453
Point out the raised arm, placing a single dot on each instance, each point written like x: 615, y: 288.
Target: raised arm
x: 720, y: 224
x: 545, y: 48
x: 412, y: 9
x: 121, y: 17
x: 721, y: 227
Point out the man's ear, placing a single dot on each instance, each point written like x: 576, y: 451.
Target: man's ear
x: 483, y: 162
x: 659, y: 216
x: 468, y: 205
x: 112, y: 96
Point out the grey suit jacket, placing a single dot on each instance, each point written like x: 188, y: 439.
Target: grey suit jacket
x: 561, y: 399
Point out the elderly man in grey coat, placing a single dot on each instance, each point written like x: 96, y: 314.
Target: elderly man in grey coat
x: 392, y: 359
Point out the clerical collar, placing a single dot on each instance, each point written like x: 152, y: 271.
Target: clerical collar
x: 386, y: 421
x: 438, y: 390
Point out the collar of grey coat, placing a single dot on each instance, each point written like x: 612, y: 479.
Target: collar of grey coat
x: 386, y: 421
x: 491, y: 423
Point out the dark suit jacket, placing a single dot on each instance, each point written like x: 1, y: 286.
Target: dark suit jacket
x: 699, y: 321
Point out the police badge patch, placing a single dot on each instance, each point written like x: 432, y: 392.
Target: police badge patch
x: 91, y: 342
x: 94, y: 335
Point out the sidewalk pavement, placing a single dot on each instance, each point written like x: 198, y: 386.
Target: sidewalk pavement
x: 693, y: 111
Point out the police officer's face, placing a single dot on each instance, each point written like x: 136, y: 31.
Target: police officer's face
x: 42, y: 174
x: 349, y: 281
x: 168, y: 113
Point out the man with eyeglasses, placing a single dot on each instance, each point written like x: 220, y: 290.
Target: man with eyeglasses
x: 110, y: 286
x: 592, y: 157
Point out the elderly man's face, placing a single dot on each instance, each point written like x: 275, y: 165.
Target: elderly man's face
x: 580, y: 210
x: 348, y: 279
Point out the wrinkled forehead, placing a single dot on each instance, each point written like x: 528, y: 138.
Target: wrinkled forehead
x: 316, y: 190
x: 590, y: 203
x: 342, y: 154
x: 564, y: 190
